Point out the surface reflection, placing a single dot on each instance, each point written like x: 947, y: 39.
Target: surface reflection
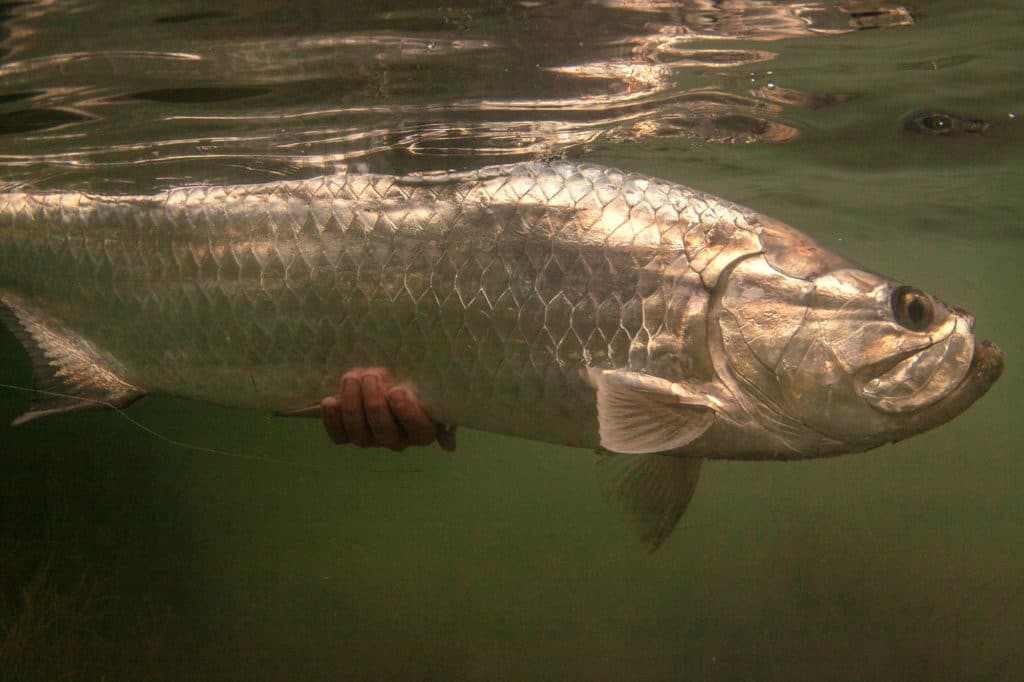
x: 416, y: 88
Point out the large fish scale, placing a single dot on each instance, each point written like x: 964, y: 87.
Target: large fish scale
x: 491, y: 290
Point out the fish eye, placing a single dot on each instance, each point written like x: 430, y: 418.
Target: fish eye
x: 937, y: 123
x: 912, y: 308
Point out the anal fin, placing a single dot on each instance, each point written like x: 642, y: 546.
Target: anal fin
x: 68, y: 372
x: 653, y: 490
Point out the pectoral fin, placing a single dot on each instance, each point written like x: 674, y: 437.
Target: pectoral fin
x: 642, y: 414
x: 652, y: 490
x: 68, y: 372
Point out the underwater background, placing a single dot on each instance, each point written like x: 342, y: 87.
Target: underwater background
x: 258, y: 550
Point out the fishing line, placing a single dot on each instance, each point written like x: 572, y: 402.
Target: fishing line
x: 160, y: 436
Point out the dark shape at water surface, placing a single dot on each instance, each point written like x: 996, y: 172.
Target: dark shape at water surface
x: 943, y: 123
x: 6, y: 8
x: 864, y: 20
x: 199, y: 95
x: 192, y: 16
x: 722, y: 128
x: 797, y: 98
x: 11, y: 97
x: 29, y: 120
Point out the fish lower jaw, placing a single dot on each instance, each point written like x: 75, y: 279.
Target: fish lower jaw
x: 985, y: 369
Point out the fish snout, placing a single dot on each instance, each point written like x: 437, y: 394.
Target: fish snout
x: 989, y: 361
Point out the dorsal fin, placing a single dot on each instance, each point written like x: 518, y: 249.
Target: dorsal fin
x: 68, y: 372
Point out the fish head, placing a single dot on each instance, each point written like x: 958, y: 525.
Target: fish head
x: 834, y: 358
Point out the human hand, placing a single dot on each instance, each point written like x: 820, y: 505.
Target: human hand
x: 370, y: 410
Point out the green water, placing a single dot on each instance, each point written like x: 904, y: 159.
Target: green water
x: 149, y: 560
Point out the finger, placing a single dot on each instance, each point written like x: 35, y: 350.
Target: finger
x: 418, y: 427
x: 382, y: 423
x: 352, y: 416
x: 330, y: 414
x: 446, y: 438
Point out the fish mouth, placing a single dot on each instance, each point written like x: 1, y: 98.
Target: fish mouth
x: 985, y: 368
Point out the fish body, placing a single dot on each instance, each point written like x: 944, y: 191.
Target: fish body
x: 489, y: 290
x: 562, y: 302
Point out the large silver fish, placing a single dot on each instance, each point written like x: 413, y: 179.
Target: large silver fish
x: 561, y: 302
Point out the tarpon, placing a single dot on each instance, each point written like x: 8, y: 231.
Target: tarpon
x: 561, y: 302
